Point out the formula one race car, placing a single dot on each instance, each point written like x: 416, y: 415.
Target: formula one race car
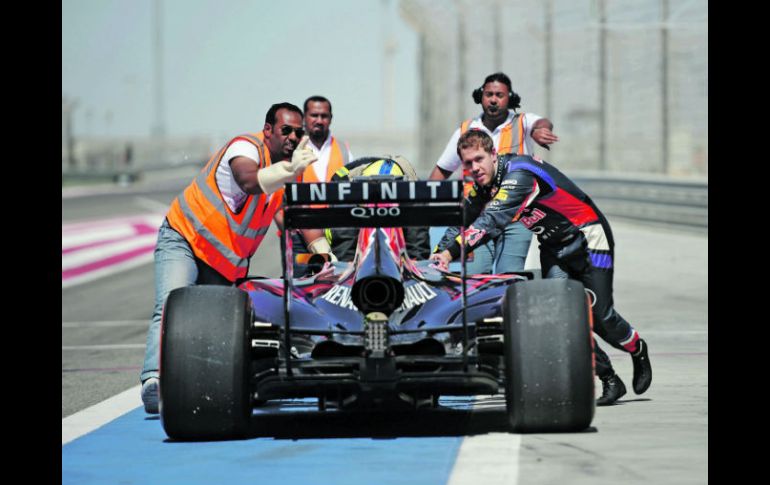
x: 380, y: 331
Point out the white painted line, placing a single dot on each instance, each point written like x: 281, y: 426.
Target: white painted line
x: 80, y: 226
x: 108, y: 270
x: 113, y: 323
x: 94, y: 254
x: 674, y: 332
x: 96, y: 416
x: 76, y: 238
x: 103, y: 347
x: 487, y: 458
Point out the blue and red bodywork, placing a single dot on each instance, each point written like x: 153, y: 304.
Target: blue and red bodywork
x: 432, y: 298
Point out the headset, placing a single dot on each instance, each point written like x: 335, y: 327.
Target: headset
x: 514, y: 99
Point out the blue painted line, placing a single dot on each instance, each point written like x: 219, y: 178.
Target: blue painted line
x: 133, y: 449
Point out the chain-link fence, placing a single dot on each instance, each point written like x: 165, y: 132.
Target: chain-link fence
x: 625, y: 82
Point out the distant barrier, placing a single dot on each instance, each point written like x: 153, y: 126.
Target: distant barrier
x: 681, y: 203
x: 127, y: 175
x: 648, y: 198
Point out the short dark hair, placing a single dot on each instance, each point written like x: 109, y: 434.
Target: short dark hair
x: 475, y: 138
x: 270, y: 116
x: 499, y: 77
x: 318, y: 98
x: 514, y: 101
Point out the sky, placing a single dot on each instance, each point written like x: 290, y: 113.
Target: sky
x: 226, y: 61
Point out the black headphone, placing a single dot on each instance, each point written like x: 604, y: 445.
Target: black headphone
x: 514, y: 100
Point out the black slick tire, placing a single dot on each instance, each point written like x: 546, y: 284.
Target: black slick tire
x: 204, y: 382
x: 548, y: 356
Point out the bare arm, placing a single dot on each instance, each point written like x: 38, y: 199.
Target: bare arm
x: 255, y: 180
x: 310, y: 235
x: 439, y: 173
x: 245, y: 173
x: 542, y: 134
x: 278, y: 218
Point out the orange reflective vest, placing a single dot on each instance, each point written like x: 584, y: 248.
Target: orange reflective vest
x: 223, y: 239
x: 511, y: 141
x: 338, y: 158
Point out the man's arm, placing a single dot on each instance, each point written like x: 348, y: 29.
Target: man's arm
x: 278, y: 218
x: 449, y: 161
x: 439, y: 173
x: 254, y: 180
x: 474, y: 205
x: 517, y: 186
x: 245, y: 174
x: 315, y: 240
x: 542, y: 134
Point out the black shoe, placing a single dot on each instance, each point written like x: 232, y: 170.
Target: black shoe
x: 642, y: 368
x: 612, y: 390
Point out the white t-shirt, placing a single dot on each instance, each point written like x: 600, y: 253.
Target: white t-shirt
x: 232, y: 194
x: 450, y: 161
x: 323, y: 154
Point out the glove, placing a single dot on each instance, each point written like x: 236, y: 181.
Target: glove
x: 273, y: 177
x: 321, y: 245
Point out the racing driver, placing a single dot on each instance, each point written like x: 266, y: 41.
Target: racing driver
x: 575, y: 241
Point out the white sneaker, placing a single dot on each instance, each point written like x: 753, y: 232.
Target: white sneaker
x: 150, y: 395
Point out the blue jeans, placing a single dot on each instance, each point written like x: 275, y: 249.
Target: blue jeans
x: 175, y: 267
x: 506, y: 253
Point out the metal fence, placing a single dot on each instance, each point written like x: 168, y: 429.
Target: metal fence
x: 624, y: 81
x: 660, y: 200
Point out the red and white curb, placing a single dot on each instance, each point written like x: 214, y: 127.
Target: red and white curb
x: 94, y: 249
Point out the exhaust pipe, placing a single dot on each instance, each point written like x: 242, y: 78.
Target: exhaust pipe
x: 378, y: 285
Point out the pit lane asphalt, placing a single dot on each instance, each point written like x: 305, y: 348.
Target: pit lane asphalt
x: 661, y: 287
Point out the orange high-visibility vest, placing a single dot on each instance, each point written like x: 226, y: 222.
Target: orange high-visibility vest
x: 508, y: 143
x: 223, y: 239
x: 337, y: 159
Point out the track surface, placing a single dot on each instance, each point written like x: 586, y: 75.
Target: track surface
x: 661, y: 283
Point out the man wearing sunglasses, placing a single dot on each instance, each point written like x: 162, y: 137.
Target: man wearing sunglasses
x: 219, y: 221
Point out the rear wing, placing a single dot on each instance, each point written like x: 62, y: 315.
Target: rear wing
x: 385, y: 202
x: 374, y: 203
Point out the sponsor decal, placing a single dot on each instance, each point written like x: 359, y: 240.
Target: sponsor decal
x: 375, y: 191
x: 502, y: 195
x: 340, y: 295
x: 473, y: 235
x: 367, y: 212
x: 530, y: 220
x: 415, y: 294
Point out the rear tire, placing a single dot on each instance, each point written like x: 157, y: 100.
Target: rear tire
x: 549, y: 384
x: 204, y: 370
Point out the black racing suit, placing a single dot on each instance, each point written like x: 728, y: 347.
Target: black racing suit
x: 575, y: 239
